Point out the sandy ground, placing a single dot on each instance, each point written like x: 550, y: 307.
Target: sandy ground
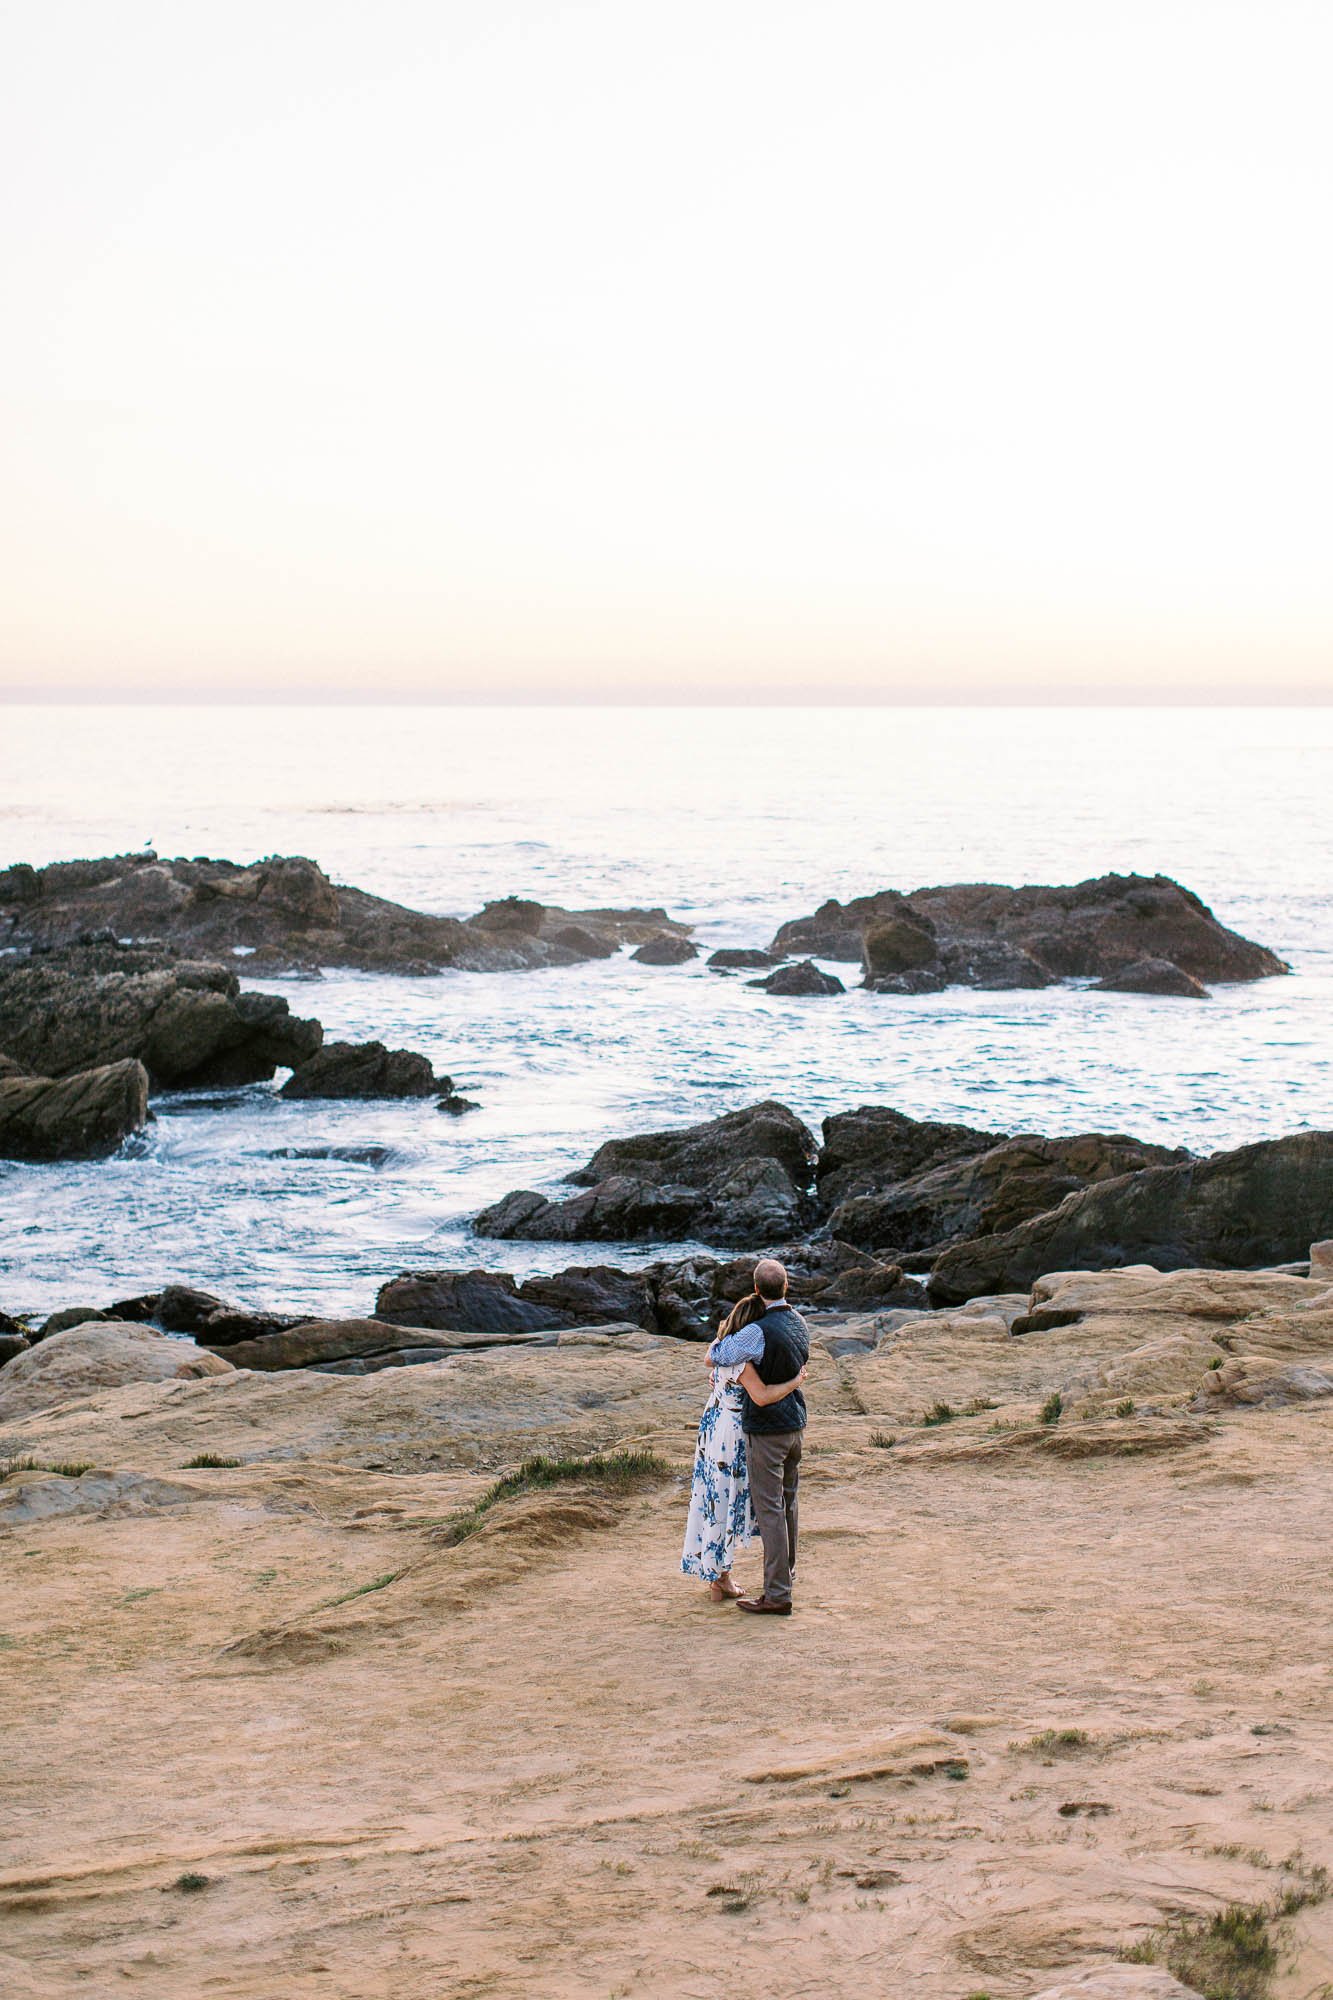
x: 542, y: 1764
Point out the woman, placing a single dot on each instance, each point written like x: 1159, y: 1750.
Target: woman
x: 722, y: 1518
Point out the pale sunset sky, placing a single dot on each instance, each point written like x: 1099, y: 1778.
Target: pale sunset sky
x: 847, y: 349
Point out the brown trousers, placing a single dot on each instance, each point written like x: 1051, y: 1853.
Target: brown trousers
x: 774, y: 1461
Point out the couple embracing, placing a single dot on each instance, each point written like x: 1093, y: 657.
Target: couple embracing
x: 747, y: 1465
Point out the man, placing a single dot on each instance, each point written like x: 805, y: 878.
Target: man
x: 778, y: 1344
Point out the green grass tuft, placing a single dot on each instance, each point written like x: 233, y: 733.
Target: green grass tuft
x: 1053, y: 1408
x: 1054, y: 1742
x: 191, y: 1882
x: 210, y: 1461
x: 618, y: 1471
x: 363, y: 1589
x: 1125, y: 1408
x: 69, y: 1468
x: 939, y: 1413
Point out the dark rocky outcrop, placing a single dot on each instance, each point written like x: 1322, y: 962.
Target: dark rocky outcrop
x: 867, y: 1150
x: 989, y: 935
x: 987, y: 1192
x: 1261, y: 1204
x: 803, y: 981
x: 73, y: 1117
x: 667, y: 948
x: 1154, y: 975
x: 287, y: 914
x: 365, y: 1069
x: 350, y: 1346
x: 740, y: 1178
x: 492, y: 1302
x: 683, y: 1297
x: 186, y: 1021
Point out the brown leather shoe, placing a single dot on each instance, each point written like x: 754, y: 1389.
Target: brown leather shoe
x: 764, y: 1604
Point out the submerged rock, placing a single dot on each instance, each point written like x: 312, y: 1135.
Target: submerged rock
x: 81, y: 1116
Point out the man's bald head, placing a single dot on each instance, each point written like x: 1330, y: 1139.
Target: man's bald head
x: 770, y: 1279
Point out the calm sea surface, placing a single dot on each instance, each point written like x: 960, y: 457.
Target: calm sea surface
x: 731, y: 820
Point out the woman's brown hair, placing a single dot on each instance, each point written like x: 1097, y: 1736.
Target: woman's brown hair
x: 743, y: 1313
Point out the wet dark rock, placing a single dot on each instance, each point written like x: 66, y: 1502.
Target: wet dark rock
x: 72, y: 1316
x: 803, y: 981
x: 739, y: 958
x: 187, y: 1022
x: 1154, y: 975
x: 989, y: 1191
x: 290, y: 917
x: 665, y: 949
x: 739, y: 1178
x: 696, y: 1154
x: 493, y: 1302
x: 83, y: 1115
x: 365, y: 1069
x: 682, y: 1297
x: 583, y: 943
x: 212, y: 1321
x: 616, y: 1210
x: 12, y: 1344
x: 924, y: 979
x: 1256, y: 1205
x: 870, y: 1148
x: 334, y: 1345
x: 357, y: 1156
x: 896, y: 939
x: 511, y: 916
x: 989, y: 935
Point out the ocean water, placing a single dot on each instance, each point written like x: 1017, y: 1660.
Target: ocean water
x: 729, y: 819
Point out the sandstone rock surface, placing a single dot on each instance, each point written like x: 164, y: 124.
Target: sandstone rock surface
x: 85, y: 1359
x: 1072, y: 1675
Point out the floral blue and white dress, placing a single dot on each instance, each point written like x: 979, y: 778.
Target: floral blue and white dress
x: 722, y: 1517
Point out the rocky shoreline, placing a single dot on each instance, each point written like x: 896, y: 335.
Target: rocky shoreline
x: 886, y: 1213
x: 286, y: 916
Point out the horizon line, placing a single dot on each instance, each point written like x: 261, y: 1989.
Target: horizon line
x: 1017, y: 696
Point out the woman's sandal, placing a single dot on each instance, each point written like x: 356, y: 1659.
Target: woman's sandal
x: 721, y: 1595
